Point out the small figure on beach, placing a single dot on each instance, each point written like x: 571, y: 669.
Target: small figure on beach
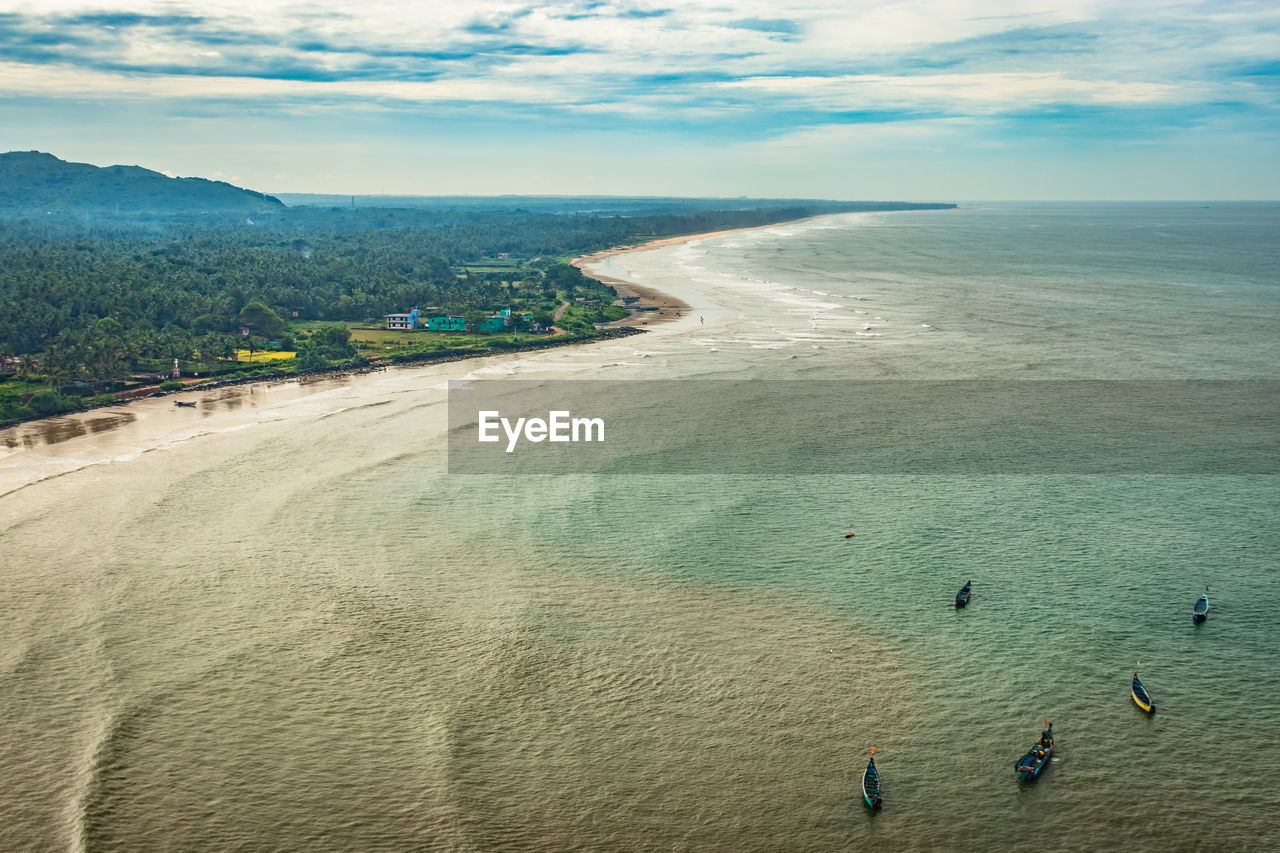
x: 700, y: 317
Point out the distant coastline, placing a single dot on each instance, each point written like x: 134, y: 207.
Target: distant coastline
x: 656, y: 308
x: 667, y: 308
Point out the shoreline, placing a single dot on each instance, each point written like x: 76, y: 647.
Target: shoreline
x: 668, y: 308
x: 337, y: 371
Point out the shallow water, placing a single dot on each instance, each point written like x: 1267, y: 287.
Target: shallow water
x: 275, y: 623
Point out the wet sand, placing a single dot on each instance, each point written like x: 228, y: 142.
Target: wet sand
x: 667, y: 307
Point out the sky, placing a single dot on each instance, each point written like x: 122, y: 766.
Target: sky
x: 933, y: 101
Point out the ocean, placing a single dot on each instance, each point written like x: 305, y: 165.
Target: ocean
x: 277, y: 622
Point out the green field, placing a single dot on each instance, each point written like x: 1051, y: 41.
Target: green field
x: 375, y: 342
x: 243, y: 355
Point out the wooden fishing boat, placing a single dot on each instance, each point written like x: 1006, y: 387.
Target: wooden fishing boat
x: 1030, y: 765
x: 871, y: 783
x: 962, y: 597
x: 185, y: 403
x: 1201, y: 611
x: 1141, y: 696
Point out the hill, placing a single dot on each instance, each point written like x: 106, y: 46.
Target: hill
x: 33, y: 183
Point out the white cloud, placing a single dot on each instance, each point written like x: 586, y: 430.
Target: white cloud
x: 843, y: 55
x: 987, y: 92
x: 675, y: 90
x: 20, y: 79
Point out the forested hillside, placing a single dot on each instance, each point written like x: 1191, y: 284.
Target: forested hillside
x: 36, y: 184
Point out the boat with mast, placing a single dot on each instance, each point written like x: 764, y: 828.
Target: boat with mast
x: 871, y: 783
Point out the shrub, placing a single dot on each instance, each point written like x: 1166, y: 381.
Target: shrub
x: 47, y: 403
x: 171, y: 385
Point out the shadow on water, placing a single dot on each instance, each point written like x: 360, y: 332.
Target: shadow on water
x: 58, y: 430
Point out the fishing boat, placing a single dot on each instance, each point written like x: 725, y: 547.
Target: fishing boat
x: 185, y: 403
x: 1201, y: 611
x: 850, y: 534
x: 962, y: 597
x: 1030, y: 765
x: 871, y: 783
x: 1140, y: 694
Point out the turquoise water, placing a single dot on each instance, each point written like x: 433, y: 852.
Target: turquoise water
x: 287, y: 628
x: 1075, y: 579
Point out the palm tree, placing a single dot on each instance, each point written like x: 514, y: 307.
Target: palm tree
x: 28, y: 367
x: 56, y: 368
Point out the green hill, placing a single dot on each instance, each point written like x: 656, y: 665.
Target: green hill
x: 33, y: 183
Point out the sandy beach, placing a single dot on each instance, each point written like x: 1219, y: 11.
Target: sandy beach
x: 39, y: 449
x: 22, y: 439
x: 668, y: 307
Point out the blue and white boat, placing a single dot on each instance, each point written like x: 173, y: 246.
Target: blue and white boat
x: 1201, y: 611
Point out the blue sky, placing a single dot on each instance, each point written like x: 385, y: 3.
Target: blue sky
x: 858, y: 100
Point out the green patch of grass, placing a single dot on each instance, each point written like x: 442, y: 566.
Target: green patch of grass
x: 395, y: 344
x: 297, y: 327
x: 14, y: 385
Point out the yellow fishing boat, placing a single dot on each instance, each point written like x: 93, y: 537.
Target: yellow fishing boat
x: 1141, y: 697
